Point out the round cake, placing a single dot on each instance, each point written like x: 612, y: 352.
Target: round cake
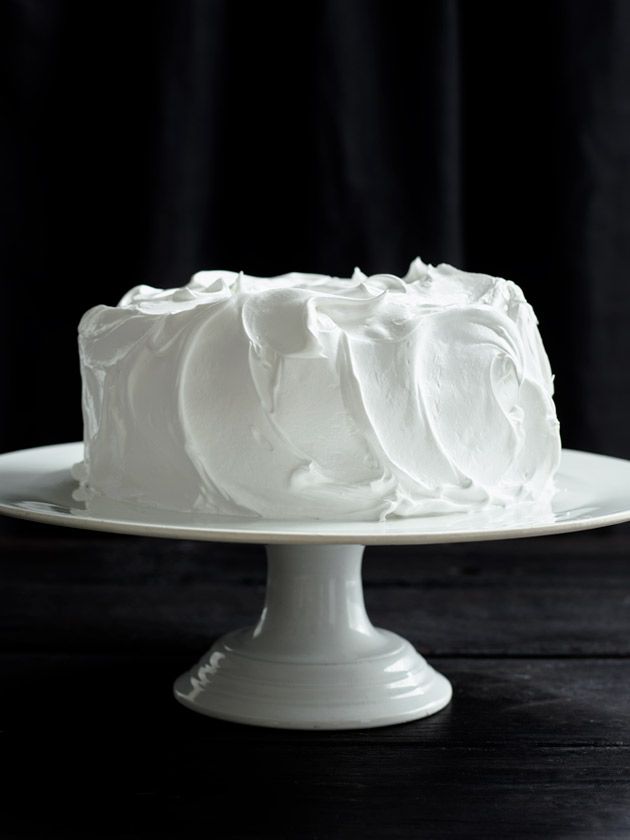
x: 306, y: 396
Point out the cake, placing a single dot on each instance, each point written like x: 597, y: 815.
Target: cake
x: 307, y: 396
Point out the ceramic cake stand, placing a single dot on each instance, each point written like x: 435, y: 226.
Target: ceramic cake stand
x: 314, y: 660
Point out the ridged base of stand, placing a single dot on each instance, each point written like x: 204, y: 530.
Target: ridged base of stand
x: 393, y: 687
x: 314, y: 661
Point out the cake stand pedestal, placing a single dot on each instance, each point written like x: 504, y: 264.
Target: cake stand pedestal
x: 314, y: 660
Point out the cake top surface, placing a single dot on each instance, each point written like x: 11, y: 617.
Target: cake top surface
x: 293, y: 314
x: 423, y: 285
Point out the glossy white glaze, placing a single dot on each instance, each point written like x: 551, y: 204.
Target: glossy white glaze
x: 304, y: 396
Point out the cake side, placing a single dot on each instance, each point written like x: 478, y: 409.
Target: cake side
x: 305, y: 396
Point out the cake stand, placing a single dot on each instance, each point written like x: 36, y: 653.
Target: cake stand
x: 314, y: 660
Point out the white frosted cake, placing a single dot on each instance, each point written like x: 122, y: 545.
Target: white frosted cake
x: 305, y: 396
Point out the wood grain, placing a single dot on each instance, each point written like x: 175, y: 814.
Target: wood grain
x: 535, y: 636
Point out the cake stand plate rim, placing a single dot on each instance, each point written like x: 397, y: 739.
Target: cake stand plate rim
x: 593, y: 492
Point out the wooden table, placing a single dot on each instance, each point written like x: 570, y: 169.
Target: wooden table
x: 534, y: 635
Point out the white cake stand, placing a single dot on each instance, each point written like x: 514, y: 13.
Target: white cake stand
x: 314, y: 660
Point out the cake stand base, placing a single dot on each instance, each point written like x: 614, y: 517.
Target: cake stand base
x: 314, y: 660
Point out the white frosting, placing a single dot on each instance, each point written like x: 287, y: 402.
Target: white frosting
x: 305, y: 396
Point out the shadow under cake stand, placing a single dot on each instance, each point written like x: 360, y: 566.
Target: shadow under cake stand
x: 314, y: 660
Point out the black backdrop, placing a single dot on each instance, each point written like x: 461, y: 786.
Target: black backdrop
x: 144, y: 141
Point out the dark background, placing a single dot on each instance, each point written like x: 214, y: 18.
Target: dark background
x: 144, y: 141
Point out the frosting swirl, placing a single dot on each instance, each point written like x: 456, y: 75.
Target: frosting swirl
x: 306, y: 396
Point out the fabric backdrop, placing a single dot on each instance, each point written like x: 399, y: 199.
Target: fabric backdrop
x: 144, y: 141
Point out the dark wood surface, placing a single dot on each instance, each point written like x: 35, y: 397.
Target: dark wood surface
x: 534, y: 635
